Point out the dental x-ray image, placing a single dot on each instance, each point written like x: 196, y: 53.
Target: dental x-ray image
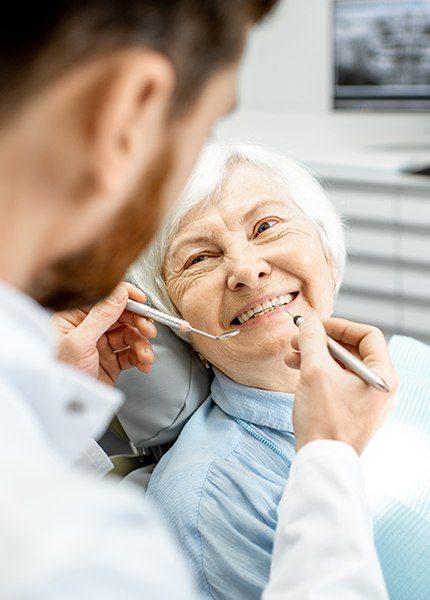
x: 382, y: 54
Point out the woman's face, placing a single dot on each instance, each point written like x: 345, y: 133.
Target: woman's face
x: 239, y: 263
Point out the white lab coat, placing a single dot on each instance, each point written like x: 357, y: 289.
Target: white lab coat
x: 324, y: 540
x: 65, y: 534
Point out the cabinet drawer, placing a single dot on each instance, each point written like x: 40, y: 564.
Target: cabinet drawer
x: 417, y: 319
x: 416, y: 283
x: 372, y: 242
x: 372, y: 277
x: 415, y: 247
x: 361, y: 204
x: 414, y: 211
x: 369, y: 310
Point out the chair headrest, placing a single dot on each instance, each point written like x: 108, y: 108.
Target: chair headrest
x: 159, y: 404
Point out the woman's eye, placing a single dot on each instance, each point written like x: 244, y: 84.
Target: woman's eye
x: 266, y: 225
x: 198, y: 259
x: 195, y: 260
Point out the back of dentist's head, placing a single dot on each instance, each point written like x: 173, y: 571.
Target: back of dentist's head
x: 39, y: 44
x: 206, y: 184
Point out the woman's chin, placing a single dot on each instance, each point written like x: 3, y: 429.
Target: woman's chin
x: 269, y: 340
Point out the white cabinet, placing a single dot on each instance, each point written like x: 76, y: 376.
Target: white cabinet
x: 387, y: 280
x: 363, y: 241
x: 372, y: 277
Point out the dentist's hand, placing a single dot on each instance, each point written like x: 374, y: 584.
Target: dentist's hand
x: 332, y: 403
x: 105, y: 339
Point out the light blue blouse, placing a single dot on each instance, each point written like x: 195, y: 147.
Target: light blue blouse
x: 221, y: 483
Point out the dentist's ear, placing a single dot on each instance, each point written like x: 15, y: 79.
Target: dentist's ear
x: 127, y: 118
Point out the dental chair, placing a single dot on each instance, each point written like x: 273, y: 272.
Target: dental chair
x: 157, y: 406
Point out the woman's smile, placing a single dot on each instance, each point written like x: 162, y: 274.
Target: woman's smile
x: 239, y: 262
x: 264, y: 309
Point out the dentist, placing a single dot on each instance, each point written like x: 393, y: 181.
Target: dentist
x: 105, y: 106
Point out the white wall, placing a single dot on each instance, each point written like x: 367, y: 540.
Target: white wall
x: 285, y: 98
x: 288, y: 61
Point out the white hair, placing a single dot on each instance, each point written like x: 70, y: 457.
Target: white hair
x: 206, y: 183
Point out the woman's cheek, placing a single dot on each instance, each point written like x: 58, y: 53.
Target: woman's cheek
x: 325, y: 298
x: 177, y: 290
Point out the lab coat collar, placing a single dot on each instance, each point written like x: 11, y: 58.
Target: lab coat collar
x: 71, y: 407
x: 261, y: 407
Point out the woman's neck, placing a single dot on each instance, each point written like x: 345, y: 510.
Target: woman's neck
x: 274, y: 376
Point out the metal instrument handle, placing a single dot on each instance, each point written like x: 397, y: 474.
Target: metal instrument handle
x: 152, y: 313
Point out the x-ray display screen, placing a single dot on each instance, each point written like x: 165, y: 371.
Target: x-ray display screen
x: 382, y: 54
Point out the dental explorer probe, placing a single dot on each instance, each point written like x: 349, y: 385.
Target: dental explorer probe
x: 165, y: 319
x: 348, y: 360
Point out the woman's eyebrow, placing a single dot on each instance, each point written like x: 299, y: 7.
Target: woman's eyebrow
x: 251, y: 212
x: 190, y: 241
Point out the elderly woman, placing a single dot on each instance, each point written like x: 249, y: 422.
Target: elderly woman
x: 255, y: 236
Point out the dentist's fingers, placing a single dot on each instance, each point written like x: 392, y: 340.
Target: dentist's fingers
x: 292, y: 360
x: 367, y: 340
x: 112, y: 363
x: 103, y: 315
x: 129, y: 359
x: 126, y: 336
x: 364, y: 341
x: 332, y: 403
x: 107, y: 313
x: 90, y: 338
x: 144, y: 325
x: 312, y: 341
x: 312, y: 344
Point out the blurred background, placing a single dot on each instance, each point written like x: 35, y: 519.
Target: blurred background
x: 343, y: 86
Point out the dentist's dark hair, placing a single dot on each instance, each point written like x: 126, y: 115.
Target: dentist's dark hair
x: 41, y: 40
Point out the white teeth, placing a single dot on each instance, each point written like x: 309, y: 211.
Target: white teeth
x: 267, y: 306
x: 243, y: 318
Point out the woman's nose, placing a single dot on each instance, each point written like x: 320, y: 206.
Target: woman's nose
x: 247, y: 271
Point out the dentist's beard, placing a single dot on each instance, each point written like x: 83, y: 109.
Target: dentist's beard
x: 89, y: 275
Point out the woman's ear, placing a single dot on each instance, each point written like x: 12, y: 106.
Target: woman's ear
x: 126, y: 116
x: 331, y: 267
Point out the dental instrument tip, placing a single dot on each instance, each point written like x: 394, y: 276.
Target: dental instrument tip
x: 228, y: 334
x: 222, y: 336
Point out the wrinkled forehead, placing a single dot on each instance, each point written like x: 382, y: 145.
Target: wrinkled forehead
x: 245, y: 190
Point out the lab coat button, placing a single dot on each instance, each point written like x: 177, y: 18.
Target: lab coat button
x: 75, y: 406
